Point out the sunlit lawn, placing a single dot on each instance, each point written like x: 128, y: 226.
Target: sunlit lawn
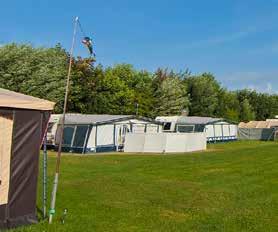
x: 231, y: 187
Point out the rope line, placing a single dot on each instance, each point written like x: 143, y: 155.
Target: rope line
x: 81, y: 28
x: 84, y: 35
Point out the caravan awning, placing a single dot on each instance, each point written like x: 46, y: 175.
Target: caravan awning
x: 12, y: 99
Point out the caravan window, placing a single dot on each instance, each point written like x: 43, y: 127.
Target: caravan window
x: 50, y: 126
x: 167, y: 126
x: 80, y: 136
x: 185, y: 128
x: 68, y: 133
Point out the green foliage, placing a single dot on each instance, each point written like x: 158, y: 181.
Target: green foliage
x: 203, y: 92
x: 41, y: 72
x: 38, y: 72
x: 228, y: 105
x: 263, y: 105
x: 170, y: 93
x: 113, y: 94
x: 247, y: 113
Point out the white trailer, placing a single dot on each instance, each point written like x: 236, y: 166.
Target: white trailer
x: 216, y: 129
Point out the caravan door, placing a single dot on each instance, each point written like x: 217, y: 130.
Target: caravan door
x: 122, y: 131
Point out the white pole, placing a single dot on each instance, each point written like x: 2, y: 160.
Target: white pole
x: 56, y: 179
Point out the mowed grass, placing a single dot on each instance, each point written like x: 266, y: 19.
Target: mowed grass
x: 231, y: 187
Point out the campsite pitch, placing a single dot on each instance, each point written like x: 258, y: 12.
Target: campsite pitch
x: 232, y: 187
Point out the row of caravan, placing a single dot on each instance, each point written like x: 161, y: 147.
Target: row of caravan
x: 99, y: 133
x: 96, y: 133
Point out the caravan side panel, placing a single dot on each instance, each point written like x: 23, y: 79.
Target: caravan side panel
x: 105, y: 135
x: 92, y: 138
x: 226, y: 131
x: 210, y: 131
x: 233, y: 130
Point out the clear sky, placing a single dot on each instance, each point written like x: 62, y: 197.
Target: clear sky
x: 236, y: 40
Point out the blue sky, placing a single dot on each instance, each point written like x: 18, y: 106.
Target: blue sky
x: 235, y: 40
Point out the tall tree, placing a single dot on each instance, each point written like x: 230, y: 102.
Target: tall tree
x: 38, y: 72
x: 139, y: 83
x: 83, y: 83
x: 247, y: 113
x: 113, y: 96
x: 204, y: 91
x: 228, y: 105
x: 170, y: 93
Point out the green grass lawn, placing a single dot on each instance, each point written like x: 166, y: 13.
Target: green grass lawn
x: 231, y: 187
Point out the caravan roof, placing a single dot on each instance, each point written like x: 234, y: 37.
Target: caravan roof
x: 94, y: 118
x: 189, y: 119
x: 197, y: 120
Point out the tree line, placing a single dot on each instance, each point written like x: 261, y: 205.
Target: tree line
x: 121, y: 89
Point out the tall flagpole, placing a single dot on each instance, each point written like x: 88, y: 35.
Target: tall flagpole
x: 56, y: 178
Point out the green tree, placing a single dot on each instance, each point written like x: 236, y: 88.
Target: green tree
x: 247, y: 113
x: 38, y: 72
x: 83, y: 83
x: 41, y: 72
x: 170, y: 93
x: 113, y: 96
x: 138, y: 89
x: 228, y: 105
x: 204, y: 91
x: 264, y: 105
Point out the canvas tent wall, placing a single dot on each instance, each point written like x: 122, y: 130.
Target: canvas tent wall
x: 99, y: 133
x: 216, y: 129
x: 23, y: 121
x: 258, y: 130
x: 165, y: 142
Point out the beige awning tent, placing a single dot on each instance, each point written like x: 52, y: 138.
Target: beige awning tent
x: 259, y: 124
x: 12, y: 99
x: 258, y: 130
x: 23, y: 123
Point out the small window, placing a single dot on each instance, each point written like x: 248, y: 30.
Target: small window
x: 167, y: 126
x: 185, y: 129
x: 68, y: 133
x: 80, y: 136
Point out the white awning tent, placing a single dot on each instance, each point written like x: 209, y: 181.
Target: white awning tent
x: 96, y: 133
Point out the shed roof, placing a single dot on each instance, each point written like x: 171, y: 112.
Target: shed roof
x: 10, y: 99
x: 198, y: 120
